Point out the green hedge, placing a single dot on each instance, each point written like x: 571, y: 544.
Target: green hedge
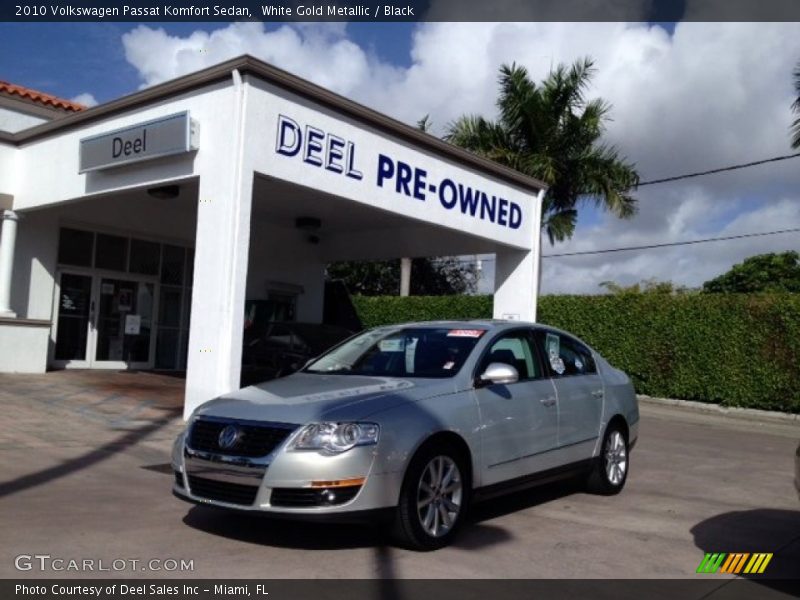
x: 735, y: 350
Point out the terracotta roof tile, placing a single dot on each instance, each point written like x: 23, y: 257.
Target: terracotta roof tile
x: 39, y: 97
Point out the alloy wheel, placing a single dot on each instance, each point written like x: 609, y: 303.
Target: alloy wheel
x: 616, y: 458
x: 439, y: 496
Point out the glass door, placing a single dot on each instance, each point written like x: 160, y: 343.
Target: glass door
x: 74, y: 322
x: 123, y: 335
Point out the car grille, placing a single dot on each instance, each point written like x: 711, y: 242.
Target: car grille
x: 308, y: 497
x: 256, y: 439
x: 222, y: 491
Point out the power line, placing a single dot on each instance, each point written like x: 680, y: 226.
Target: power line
x: 649, y: 246
x: 720, y: 170
x: 664, y: 245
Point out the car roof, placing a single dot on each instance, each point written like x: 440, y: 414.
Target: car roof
x: 487, y: 324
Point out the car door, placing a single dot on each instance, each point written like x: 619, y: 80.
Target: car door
x: 579, y: 388
x: 519, y: 421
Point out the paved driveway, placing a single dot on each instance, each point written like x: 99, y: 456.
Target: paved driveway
x: 84, y: 474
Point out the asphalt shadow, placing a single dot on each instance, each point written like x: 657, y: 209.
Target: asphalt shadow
x: 768, y: 530
x: 261, y: 529
x: 84, y: 461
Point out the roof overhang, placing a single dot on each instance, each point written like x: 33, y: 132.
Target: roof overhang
x: 268, y: 73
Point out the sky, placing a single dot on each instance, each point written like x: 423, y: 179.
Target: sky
x: 685, y: 97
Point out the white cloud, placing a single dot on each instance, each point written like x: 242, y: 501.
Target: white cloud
x: 710, y: 95
x: 86, y: 99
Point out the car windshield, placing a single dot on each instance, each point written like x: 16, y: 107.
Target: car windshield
x: 405, y: 352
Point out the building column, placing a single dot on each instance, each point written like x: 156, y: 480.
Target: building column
x: 516, y: 285
x: 517, y: 274
x: 405, y: 276
x: 222, y: 245
x: 8, y: 239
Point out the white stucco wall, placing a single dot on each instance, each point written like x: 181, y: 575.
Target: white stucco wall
x: 267, y: 102
x: 35, y: 266
x: 9, y: 155
x: 47, y: 169
x: 23, y: 348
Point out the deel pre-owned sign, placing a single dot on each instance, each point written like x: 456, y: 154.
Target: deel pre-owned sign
x: 174, y: 134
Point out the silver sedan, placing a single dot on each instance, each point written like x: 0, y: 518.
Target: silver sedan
x: 414, y: 422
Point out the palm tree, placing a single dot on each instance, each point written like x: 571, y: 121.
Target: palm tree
x: 551, y: 132
x: 796, y: 109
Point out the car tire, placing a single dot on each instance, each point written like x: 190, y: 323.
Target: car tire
x: 610, y: 470
x: 433, y: 500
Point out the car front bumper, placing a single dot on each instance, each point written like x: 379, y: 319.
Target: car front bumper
x: 286, y: 483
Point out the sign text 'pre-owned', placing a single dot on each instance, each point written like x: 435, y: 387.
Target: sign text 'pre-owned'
x: 325, y: 150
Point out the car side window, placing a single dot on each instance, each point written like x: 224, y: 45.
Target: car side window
x: 513, y: 349
x: 563, y: 355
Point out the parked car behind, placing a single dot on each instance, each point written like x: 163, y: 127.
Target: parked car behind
x: 413, y: 422
x: 277, y: 349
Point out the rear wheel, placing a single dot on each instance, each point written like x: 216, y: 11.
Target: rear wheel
x: 433, y: 499
x: 611, y: 468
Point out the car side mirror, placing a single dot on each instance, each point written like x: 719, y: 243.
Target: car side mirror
x: 498, y: 374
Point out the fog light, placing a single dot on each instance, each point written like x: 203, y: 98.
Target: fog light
x: 328, y: 497
x: 337, y: 483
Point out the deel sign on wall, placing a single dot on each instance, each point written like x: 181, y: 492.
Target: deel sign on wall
x: 174, y: 134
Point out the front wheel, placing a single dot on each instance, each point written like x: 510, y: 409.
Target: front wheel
x: 611, y: 468
x: 433, y: 499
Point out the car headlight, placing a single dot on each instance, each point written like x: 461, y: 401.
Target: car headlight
x: 335, y: 438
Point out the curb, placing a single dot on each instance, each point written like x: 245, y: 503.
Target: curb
x: 725, y: 411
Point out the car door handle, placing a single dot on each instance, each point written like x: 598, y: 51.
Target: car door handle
x: 549, y: 401
x: 597, y: 394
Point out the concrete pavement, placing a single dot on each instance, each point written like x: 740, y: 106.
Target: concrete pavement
x: 84, y: 474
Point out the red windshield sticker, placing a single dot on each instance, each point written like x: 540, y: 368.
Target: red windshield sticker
x: 470, y: 333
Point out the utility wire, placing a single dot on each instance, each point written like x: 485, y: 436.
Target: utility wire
x: 721, y: 170
x: 650, y: 246
x: 664, y: 245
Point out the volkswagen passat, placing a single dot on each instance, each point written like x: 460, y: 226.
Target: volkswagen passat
x: 417, y: 420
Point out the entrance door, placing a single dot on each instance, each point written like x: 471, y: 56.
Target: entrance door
x: 73, y: 328
x: 123, y: 332
x: 104, y: 322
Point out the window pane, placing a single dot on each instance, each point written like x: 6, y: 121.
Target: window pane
x: 144, y: 257
x: 111, y: 252
x: 189, y: 266
x: 513, y: 350
x: 172, y: 265
x: 73, y: 316
x: 565, y: 356
x: 169, y: 307
x: 167, y: 349
x: 75, y: 247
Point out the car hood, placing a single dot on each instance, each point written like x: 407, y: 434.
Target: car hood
x: 303, y: 398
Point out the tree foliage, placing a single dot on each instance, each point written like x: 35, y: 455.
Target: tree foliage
x: 550, y: 131
x: 762, y: 273
x: 429, y: 276
x: 646, y: 286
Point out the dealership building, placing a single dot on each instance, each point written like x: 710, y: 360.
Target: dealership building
x: 134, y: 232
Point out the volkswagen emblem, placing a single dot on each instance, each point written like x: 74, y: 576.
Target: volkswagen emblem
x: 229, y: 437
